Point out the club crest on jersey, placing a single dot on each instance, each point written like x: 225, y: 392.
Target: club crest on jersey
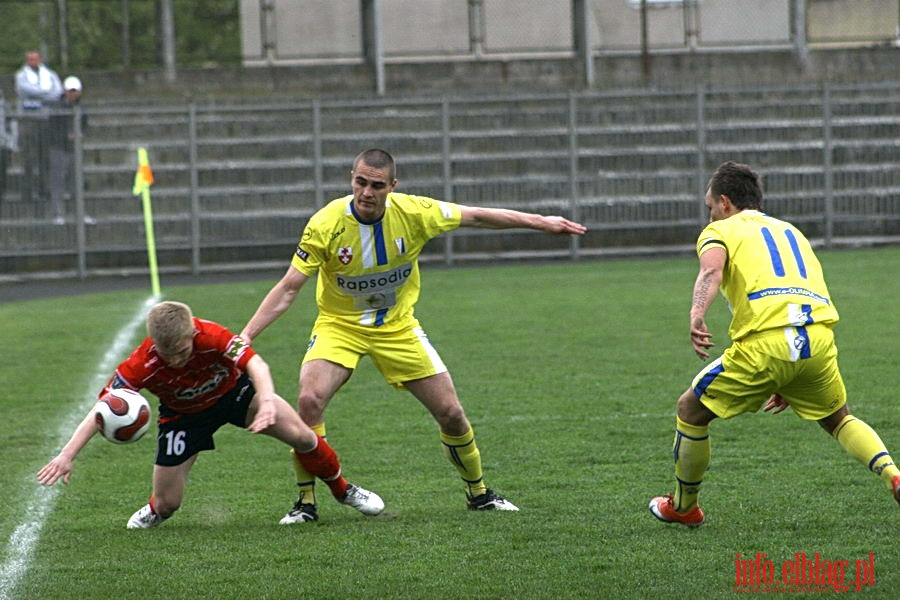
x: 345, y: 254
x: 401, y: 245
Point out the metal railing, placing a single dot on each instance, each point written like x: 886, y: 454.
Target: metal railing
x: 236, y: 182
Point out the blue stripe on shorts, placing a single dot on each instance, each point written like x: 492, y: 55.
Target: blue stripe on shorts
x: 805, y: 350
x: 708, y: 377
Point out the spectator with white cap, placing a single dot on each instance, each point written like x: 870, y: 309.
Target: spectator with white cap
x: 62, y: 146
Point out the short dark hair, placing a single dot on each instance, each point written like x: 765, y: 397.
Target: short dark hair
x: 739, y: 182
x: 377, y: 159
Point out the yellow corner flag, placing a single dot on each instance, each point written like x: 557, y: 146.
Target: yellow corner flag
x: 143, y: 179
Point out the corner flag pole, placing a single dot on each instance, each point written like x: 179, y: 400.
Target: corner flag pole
x: 143, y: 179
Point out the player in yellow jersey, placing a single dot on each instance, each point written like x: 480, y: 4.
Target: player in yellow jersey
x: 364, y: 249
x: 783, y: 351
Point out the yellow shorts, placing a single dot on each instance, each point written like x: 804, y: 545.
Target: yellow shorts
x: 400, y: 356
x: 755, y: 367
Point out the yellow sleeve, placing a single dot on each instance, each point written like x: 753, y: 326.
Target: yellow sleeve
x: 710, y: 237
x: 310, y: 252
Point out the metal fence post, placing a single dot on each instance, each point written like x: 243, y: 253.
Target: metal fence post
x: 447, y: 173
x: 701, y: 154
x: 268, y: 30
x: 78, y: 170
x: 317, y: 154
x: 373, y: 44
x: 195, y: 188
x: 167, y: 31
x: 583, y: 43
x: 574, y: 240
x: 827, y: 164
x: 476, y: 28
x: 798, y: 33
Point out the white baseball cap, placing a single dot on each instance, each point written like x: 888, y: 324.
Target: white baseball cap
x: 72, y: 84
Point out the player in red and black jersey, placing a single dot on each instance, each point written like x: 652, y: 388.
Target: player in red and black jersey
x: 214, y: 361
x: 205, y: 376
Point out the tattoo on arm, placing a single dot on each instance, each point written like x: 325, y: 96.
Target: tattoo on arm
x: 702, y: 291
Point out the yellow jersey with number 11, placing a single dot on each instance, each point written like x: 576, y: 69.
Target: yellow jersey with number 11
x: 772, y: 278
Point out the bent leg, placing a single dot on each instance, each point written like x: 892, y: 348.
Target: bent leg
x: 691, y: 449
x: 862, y: 443
x: 312, y: 452
x: 320, y: 380
x: 438, y: 395
x: 733, y: 384
x: 168, y: 487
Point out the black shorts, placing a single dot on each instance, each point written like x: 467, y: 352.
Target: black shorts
x: 182, y: 436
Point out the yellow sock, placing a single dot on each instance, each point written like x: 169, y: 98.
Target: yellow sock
x: 691, y: 450
x: 464, y: 454
x: 863, y: 444
x: 306, y: 482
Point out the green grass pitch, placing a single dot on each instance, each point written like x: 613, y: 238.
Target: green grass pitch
x: 569, y: 374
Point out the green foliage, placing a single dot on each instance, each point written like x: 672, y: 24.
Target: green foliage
x: 569, y: 373
x: 207, y: 32
x: 23, y: 27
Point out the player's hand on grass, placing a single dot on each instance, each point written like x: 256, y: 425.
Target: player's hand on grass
x: 61, y: 466
x: 701, y: 338
x: 775, y: 404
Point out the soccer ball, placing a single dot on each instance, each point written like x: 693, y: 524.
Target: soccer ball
x: 122, y: 416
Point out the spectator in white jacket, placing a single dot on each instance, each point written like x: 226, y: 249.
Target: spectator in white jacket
x: 36, y: 84
x: 37, y: 87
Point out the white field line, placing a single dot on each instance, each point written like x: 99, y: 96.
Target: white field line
x: 26, y: 535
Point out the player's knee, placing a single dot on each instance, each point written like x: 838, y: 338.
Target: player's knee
x: 304, y: 439
x: 452, y: 419
x: 691, y: 410
x: 293, y: 431
x: 831, y: 422
x: 311, y: 405
x: 685, y: 403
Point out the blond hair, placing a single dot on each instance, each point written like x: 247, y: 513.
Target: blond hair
x: 169, y: 323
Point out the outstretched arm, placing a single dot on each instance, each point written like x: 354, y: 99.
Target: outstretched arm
x: 503, y: 218
x: 276, y: 303
x: 712, y: 264
x: 61, y: 466
x: 263, y: 406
